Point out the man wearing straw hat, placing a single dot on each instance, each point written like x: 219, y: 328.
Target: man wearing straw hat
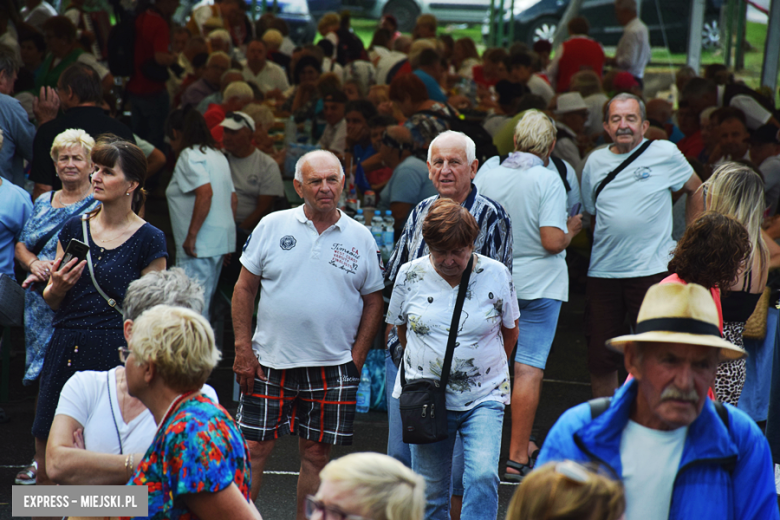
x: 678, y: 454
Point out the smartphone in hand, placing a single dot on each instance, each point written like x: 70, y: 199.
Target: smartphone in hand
x: 575, y: 210
x: 76, y: 249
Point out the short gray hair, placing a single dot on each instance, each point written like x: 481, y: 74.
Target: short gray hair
x: 8, y: 61
x: 238, y: 89
x: 625, y: 96
x: 535, y: 134
x: 70, y: 138
x: 170, y: 287
x: 471, y: 148
x: 305, y: 158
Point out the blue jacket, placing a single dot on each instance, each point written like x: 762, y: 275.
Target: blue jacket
x: 724, y: 474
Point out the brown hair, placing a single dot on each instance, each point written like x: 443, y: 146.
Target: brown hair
x: 449, y: 226
x: 712, y: 251
x: 408, y: 85
x: 547, y: 494
x: 111, y: 150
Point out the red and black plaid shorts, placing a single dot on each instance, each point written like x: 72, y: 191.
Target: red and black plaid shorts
x: 316, y: 403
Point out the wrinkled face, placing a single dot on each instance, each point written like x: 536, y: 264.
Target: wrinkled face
x: 673, y: 382
x: 255, y: 54
x: 214, y: 70
x: 452, y: 263
x: 733, y: 138
x: 321, y: 185
x: 449, y: 169
x: 73, y: 164
x: 236, y: 141
x: 624, y: 125
x: 31, y: 56
x: 333, y: 112
x: 357, y: 127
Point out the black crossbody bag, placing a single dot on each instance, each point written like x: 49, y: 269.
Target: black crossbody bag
x: 622, y: 166
x: 423, y: 402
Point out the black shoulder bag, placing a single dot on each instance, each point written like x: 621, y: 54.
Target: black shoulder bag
x: 423, y: 402
x: 614, y: 173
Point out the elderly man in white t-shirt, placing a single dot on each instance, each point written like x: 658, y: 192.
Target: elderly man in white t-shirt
x: 320, y: 279
x: 269, y: 77
x: 632, y: 237
x: 633, y: 49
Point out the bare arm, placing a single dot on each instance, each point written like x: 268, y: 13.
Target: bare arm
x: 554, y: 240
x: 370, y: 320
x: 774, y: 251
x: 67, y: 464
x: 510, y: 337
x: 694, y: 204
x: 263, y: 207
x: 154, y: 162
x: 400, y: 211
x: 234, y: 204
x: 401, y: 329
x: 38, y: 269
x: 245, y: 366
x: 164, y: 58
x: 158, y: 264
x: 61, y: 281
x: 226, y: 503
x: 40, y: 189
x: 203, y: 196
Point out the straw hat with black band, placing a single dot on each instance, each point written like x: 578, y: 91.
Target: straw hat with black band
x: 677, y: 313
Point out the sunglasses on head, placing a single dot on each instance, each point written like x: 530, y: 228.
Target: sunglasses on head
x: 238, y: 118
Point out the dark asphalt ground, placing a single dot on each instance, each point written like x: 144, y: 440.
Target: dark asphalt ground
x: 566, y: 384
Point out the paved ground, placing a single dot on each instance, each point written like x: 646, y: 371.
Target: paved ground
x: 566, y: 384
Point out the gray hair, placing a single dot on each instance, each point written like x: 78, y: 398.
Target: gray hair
x: 218, y: 54
x: 626, y: 5
x: 471, y: 148
x: 70, y: 138
x: 625, y: 96
x: 535, y: 134
x: 8, y: 61
x: 305, y: 158
x: 170, y: 287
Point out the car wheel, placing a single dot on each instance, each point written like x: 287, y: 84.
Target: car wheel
x: 542, y: 29
x: 405, y: 12
x: 710, y: 33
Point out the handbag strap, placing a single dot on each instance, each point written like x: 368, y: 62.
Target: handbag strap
x: 111, y: 302
x: 445, y: 370
x: 113, y: 416
x: 614, y: 173
x: 41, y: 243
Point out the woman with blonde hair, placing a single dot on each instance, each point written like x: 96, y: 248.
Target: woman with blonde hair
x: 567, y: 490
x: 368, y: 485
x: 737, y: 191
x: 171, y: 354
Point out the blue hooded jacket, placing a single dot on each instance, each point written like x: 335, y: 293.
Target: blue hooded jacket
x: 725, y: 473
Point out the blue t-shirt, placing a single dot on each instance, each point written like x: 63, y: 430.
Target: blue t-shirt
x: 15, y: 208
x: 18, y: 135
x: 409, y: 183
x: 633, y: 233
x: 432, y: 86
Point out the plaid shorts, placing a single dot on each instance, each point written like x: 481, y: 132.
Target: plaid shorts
x: 316, y: 403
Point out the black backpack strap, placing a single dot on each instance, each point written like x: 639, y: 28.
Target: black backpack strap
x: 614, y: 173
x: 722, y: 413
x: 598, y: 406
x: 561, y: 167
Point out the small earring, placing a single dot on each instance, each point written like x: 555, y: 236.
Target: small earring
x: 128, y: 193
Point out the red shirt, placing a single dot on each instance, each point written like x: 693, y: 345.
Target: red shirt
x: 214, y: 115
x: 691, y: 146
x: 478, y: 73
x: 151, y: 35
x: 578, y: 53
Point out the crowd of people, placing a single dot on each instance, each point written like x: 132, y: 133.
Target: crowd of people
x: 494, y: 168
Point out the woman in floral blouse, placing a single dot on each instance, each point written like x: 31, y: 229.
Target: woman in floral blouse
x: 478, y: 389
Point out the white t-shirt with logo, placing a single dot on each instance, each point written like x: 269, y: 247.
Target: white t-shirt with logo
x: 253, y: 176
x: 633, y: 232
x: 650, y: 460
x: 311, y: 288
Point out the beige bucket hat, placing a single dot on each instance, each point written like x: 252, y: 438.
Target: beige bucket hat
x: 677, y: 313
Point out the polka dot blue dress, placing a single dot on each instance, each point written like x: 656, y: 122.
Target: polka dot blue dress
x: 87, y: 331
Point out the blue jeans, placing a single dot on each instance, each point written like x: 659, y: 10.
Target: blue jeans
x: 205, y: 271
x: 538, y: 322
x: 149, y: 114
x: 397, y: 448
x: 481, y: 450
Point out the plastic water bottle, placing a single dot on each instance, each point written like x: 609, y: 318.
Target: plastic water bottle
x: 290, y: 131
x: 364, y: 391
x: 388, y: 234
x: 377, y: 229
x: 359, y: 216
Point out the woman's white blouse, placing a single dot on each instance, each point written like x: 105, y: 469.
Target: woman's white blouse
x: 424, y: 301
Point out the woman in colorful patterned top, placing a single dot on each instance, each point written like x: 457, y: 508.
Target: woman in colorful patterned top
x: 197, y: 465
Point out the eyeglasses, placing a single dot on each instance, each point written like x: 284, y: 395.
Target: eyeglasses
x: 327, y: 512
x: 238, y: 118
x: 124, y: 353
x: 573, y: 471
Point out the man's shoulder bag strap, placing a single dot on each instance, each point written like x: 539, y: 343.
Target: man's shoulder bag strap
x: 614, y: 173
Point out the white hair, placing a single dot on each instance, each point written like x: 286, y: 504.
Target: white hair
x: 240, y: 90
x: 535, y: 134
x: 305, y: 158
x: 221, y: 34
x: 262, y: 114
x: 471, y: 148
x: 70, y: 138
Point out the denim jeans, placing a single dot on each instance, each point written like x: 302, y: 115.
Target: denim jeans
x: 397, y: 448
x: 205, y: 271
x: 149, y: 114
x: 538, y: 322
x: 481, y: 449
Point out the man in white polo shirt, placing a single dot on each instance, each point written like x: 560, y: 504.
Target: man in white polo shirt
x: 632, y: 237
x: 321, y: 283
x: 269, y: 77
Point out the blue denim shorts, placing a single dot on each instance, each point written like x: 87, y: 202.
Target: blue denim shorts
x: 537, y: 324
